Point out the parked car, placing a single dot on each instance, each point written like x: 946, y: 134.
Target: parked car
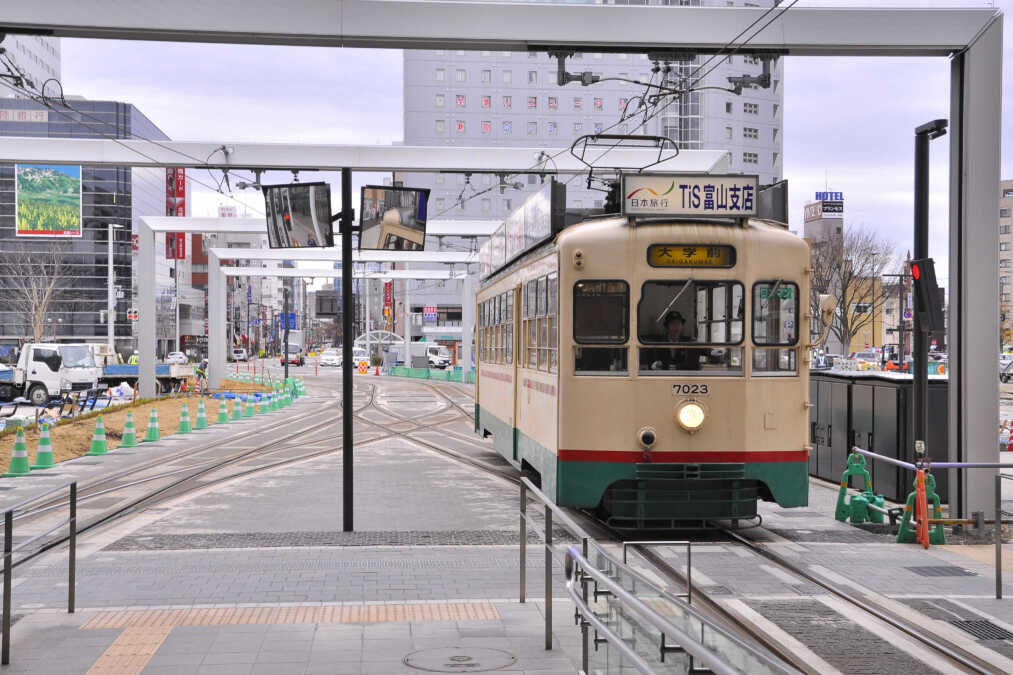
x: 1006, y: 373
x: 295, y: 356
x: 240, y: 354
x: 866, y: 357
x: 177, y: 358
x: 330, y: 357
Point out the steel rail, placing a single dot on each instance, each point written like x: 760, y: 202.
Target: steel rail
x: 933, y: 641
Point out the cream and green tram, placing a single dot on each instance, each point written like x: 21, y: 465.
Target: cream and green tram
x: 655, y: 371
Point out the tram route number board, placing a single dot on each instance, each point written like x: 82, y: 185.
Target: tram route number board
x: 690, y: 255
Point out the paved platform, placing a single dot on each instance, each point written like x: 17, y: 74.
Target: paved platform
x: 255, y: 575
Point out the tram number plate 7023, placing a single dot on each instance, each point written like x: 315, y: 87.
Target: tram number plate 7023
x: 690, y: 389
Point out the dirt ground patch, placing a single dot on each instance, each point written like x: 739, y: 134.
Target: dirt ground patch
x: 73, y: 439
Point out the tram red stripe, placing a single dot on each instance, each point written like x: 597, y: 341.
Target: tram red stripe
x: 685, y: 457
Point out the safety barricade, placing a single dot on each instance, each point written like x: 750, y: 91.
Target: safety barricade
x: 865, y: 505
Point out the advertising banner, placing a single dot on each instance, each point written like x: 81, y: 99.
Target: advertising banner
x: 388, y: 293
x: 175, y: 192
x: 48, y: 200
x: 689, y: 195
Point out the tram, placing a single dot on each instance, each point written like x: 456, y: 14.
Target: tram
x: 652, y: 368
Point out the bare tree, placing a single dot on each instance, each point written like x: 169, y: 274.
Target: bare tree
x: 30, y: 276
x: 851, y: 269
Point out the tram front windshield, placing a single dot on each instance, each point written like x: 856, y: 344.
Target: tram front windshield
x: 674, y: 314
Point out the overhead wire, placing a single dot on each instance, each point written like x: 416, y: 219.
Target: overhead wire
x: 137, y: 151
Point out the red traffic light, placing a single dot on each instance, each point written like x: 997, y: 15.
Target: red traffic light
x: 288, y: 217
x: 915, y: 272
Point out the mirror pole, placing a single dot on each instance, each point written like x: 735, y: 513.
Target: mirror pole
x: 347, y: 310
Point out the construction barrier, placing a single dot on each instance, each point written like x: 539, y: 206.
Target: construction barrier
x: 856, y: 509
x: 917, y: 502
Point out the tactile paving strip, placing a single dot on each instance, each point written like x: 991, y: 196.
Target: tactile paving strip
x: 169, y: 618
x: 131, y: 651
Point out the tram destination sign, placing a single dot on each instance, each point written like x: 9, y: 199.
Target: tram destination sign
x: 681, y: 195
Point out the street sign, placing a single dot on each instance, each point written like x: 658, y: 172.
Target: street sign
x: 291, y: 321
x: 132, y: 314
x: 907, y: 313
x: 258, y: 322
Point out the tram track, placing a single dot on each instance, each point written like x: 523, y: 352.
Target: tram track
x: 941, y: 647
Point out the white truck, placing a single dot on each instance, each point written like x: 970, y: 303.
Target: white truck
x: 47, y: 370
x: 437, y: 355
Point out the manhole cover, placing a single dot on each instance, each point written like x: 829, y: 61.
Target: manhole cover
x: 459, y: 660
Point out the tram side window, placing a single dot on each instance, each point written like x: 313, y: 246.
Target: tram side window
x: 601, y: 316
x: 775, y: 322
x: 531, y: 324
x: 539, y: 316
x: 508, y: 323
x: 552, y: 346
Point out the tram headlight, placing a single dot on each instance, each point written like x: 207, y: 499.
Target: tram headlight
x: 691, y: 415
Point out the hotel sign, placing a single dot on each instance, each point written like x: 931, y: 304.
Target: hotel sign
x: 680, y: 195
x: 14, y: 115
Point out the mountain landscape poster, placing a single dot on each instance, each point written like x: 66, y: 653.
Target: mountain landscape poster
x: 48, y: 200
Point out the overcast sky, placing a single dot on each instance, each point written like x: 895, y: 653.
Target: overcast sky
x: 848, y: 122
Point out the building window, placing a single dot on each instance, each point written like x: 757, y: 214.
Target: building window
x: 508, y: 77
x: 532, y: 179
x: 1004, y: 280
x: 440, y: 203
x: 774, y: 134
x: 532, y: 102
x: 532, y: 55
x: 508, y: 204
x: 596, y: 56
x: 1003, y: 245
x: 728, y: 107
x: 486, y: 77
x: 776, y: 108
x: 597, y: 127
x: 1004, y: 213
x: 532, y: 77
x: 553, y: 103
x: 440, y: 179
x: 751, y: 108
x: 486, y: 205
x: 461, y: 75
x: 623, y: 128
x: 728, y: 132
x: 552, y: 128
x: 440, y: 100
x: 776, y: 82
x: 598, y: 105
x: 460, y: 126
x: 441, y: 126
x: 598, y: 203
x: 750, y: 158
x: 578, y: 127
x: 532, y: 129
x: 750, y: 132
x: 508, y: 127
x: 1008, y: 192
x: 441, y: 74
x: 487, y: 102
x: 578, y: 103
x: 1004, y: 229
x: 508, y: 102
x: 622, y: 104
x: 1004, y: 262
x: 774, y: 158
x: 462, y: 100
x: 486, y: 127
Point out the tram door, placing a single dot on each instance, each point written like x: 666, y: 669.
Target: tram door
x: 515, y: 343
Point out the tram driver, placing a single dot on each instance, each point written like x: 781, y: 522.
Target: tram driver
x: 674, y: 358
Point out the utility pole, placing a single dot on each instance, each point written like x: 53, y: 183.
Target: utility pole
x: 901, y: 287
x: 347, y: 217
x: 284, y: 319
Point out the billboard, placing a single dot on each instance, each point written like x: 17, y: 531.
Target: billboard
x: 175, y: 192
x: 48, y: 200
x: 690, y: 195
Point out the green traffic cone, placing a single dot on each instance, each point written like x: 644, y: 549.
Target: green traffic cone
x: 237, y: 409
x: 272, y: 402
x: 153, y: 433
x: 223, y: 413
x: 44, y: 455
x: 129, y: 432
x: 184, y: 421
x: 248, y: 410
x: 98, y: 439
x: 202, y: 416
x: 19, y: 458
x: 261, y: 406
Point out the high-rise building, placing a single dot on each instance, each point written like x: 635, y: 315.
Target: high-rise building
x: 112, y: 199
x: 36, y: 56
x: 1006, y: 260
x: 495, y: 98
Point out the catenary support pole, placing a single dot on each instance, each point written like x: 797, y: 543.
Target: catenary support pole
x: 110, y: 292
x: 346, y: 347
x: 284, y: 318
x: 919, y: 349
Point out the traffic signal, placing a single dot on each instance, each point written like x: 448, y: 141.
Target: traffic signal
x: 928, y: 307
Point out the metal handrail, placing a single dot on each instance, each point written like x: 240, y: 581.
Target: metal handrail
x: 999, y: 513
x: 9, y: 563
x: 689, y: 561
x: 552, y: 511
x: 664, y: 626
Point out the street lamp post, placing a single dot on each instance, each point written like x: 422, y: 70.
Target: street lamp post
x: 111, y: 288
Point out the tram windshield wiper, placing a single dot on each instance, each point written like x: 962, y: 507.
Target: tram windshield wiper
x: 678, y: 295
x: 773, y: 293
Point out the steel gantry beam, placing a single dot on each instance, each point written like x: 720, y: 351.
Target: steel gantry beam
x: 502, y: 26
x: 103, y: 152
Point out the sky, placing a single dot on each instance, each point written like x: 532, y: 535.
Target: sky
x: 848, y: 122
